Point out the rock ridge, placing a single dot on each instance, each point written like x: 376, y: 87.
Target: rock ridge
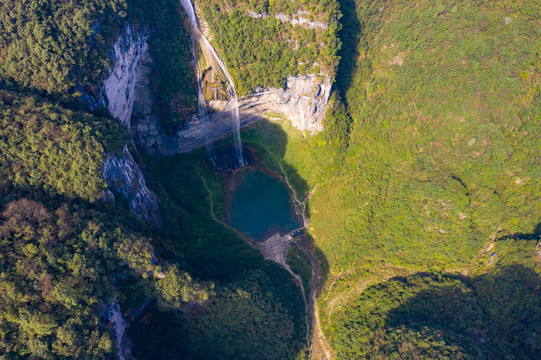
x: 126, y: 92
x: 303, y: 100
x: 121, y: 173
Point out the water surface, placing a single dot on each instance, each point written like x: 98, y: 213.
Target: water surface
x: 259, y: 205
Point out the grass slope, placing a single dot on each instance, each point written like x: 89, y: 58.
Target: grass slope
x: 442, y: 149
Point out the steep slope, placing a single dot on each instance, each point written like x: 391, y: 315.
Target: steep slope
x: 444, y: 145
x: 45, y: 45
x: 65, y: 254
x: 443, y: 152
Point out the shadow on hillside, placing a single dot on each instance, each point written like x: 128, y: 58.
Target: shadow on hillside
x: 534, y: 235
x: 274, y: 139
x: 350, y: 35
x: 211, y: 251
x: 493, y: 316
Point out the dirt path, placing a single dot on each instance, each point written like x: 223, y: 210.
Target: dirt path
x: 320, y: 349
x: 274, y: 249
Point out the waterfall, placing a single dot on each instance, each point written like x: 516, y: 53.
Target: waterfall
x: 212, y: 57
x: 203, y: 114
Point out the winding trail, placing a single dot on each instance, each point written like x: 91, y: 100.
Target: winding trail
x: 274, y: 249
x: 319, y: 348
x: 280, y: 260
x: 299, y: 204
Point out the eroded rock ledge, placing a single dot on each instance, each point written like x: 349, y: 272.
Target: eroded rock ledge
x: 121, y: 173
x: 302, y: 99
x: 124, y: 177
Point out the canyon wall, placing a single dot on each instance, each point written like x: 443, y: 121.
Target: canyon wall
x: 126, y: 93
x: 121, y: 173
x: 303, y: 100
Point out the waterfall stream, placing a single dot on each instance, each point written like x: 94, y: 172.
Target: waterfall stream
x: 213, y: 59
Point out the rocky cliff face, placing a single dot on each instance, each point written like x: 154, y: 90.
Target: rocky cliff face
x: 121, y: 173
x: 119, y: 325
x: 118, y: 88
x: 303, y: 100
x: 146, y: 127
x: 123, y: 176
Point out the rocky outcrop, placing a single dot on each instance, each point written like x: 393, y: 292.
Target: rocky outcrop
x: 295, y: 19
x: 149, y: 134
x: 118, y: 88
x: 123, y: 175
x: 303, y: 100
x: 146, y: 127
x: 119, y: 325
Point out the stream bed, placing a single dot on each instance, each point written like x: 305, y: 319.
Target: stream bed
x: 259, y: 205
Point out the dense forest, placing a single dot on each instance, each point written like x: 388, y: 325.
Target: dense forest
x: 262, y: 48
x: 426, y: 184
x: 51, y: 148
x: 495, y: 315
x: 51, y: 45
x: 60, y: 268
x: 436, y: 112
x: 66, y: 256
x: 63, y: 254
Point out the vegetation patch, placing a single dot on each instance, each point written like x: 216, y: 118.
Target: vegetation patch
x: 53, y: 45
x: 262, y: 50
x: 62, y: 266
x: 173, y: 77
x: 444, y: 316
x: 51, y: 148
